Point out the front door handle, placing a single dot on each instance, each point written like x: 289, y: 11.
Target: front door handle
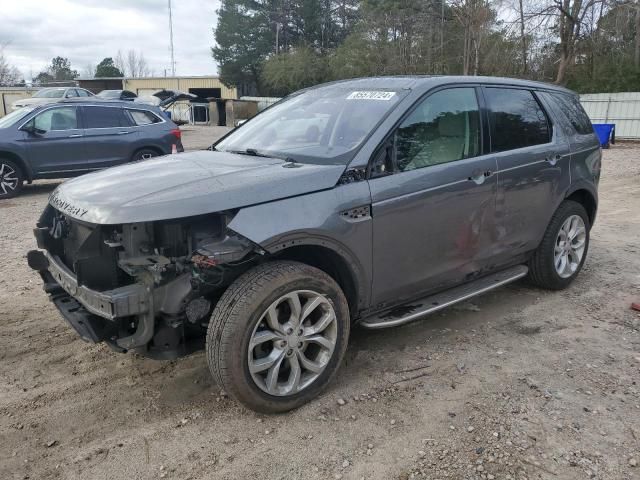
x: 75, y: 135
x: 553, y: 159
x: 123, y: 133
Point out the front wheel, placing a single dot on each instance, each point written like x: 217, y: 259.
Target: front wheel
x: 278, y: 335
x: 11, y: 178
x: 563, y: 250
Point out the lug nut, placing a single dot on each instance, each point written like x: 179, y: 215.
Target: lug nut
x: 299, y: 344
x: 300, y: 332
x: 289, y: 352
x: 289, y: 331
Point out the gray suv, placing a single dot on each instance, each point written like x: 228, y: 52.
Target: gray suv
x: 368, y: 202
x: 73, y: 137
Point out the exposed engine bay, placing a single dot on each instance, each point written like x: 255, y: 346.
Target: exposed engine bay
x: 148, y: 287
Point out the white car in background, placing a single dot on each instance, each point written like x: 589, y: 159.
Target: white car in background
x: 51, y: 95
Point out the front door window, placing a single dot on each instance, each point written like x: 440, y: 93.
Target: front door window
x: 64, y: 118
x: 443, y: 128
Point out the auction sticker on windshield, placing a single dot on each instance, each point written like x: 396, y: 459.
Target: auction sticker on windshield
x: 371, y: 95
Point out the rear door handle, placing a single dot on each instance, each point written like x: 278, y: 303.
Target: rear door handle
x: 123, y: 133
x: 479, y: 176
x: 75, y: 135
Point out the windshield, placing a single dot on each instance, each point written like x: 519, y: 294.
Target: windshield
x: 324, y: 125
x: 50, y: 93
x: 109, y: 94
x: 15, y: 116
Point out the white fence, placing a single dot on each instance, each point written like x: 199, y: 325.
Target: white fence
x: 622, y: 109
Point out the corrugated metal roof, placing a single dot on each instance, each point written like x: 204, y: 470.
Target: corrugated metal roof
x: 622, y: 109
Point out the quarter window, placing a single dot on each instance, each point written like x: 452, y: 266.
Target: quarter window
x: 572, y: 109
x: 517, y: 120
x: 445, y: 127
x: 105, y: 117
x: 56, y: 119
x: 141, y: 117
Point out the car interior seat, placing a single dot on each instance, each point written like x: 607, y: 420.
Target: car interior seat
x: 60, y: 121
x: 450, y: 144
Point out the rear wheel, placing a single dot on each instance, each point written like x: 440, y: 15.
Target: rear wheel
x: 278, y: 335
x: 144, y: 154
x: 563, y: 250
x: 11, y: 178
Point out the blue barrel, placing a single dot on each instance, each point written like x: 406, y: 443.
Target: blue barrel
x: 606, y: 133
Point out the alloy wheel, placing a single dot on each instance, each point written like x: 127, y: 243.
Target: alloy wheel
x: 8, y: 179
x: 569, y: 246
x: 292, y: 342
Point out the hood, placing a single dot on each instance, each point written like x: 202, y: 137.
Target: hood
x: 166, y: 98
x: 187, y: 184
x: 169, y: 97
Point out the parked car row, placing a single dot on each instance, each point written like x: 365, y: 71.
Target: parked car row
x: 76, y: 136
x: 55, y: 94
x: 51, y: 95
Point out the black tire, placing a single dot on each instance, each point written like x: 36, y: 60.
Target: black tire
x: 11, y: 178
x: 236, y: 316
x: 144, y: 154
x: 542, y: 271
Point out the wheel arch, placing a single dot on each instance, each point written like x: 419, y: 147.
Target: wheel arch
x: 155, y: 148
x: 329, y: 258
x: 585, y: 197
x: 28, y: 173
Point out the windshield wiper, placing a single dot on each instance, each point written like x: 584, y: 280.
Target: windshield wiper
x: 255, y: 153
x: 251, y: 151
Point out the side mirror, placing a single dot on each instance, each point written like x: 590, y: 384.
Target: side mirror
x: 383, y: 162
x: 31, y: 129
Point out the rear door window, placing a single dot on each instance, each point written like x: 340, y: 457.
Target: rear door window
x: 105, y: 117
x: 517, y: 119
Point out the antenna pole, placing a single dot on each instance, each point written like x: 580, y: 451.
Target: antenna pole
x: 173, y: 61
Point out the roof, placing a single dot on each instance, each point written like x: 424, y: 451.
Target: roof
x: 96, y: 101
x: 422, y: 81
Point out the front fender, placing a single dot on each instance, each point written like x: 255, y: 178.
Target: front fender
x: 316, y: 219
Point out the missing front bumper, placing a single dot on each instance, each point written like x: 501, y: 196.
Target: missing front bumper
x: 86, y: 309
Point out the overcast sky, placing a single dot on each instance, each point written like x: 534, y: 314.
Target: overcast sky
x: 86, y: 31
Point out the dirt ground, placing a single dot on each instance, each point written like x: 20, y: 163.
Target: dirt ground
x: 518, y: 384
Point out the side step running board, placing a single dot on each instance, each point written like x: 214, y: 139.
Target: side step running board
x: 414, y: 310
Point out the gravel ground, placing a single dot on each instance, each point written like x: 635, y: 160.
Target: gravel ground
x: 519, y: 384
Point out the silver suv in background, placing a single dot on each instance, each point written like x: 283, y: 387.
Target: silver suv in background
x: 51, y: 95
x: 73, y: 137
x: 372, y: 201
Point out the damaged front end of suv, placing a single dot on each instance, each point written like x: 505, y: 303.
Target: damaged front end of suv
x: 147, y: 287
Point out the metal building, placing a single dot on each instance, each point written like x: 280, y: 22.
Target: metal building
x: 206, y: 87
x: 622, y: 109
x: 203, y: 86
